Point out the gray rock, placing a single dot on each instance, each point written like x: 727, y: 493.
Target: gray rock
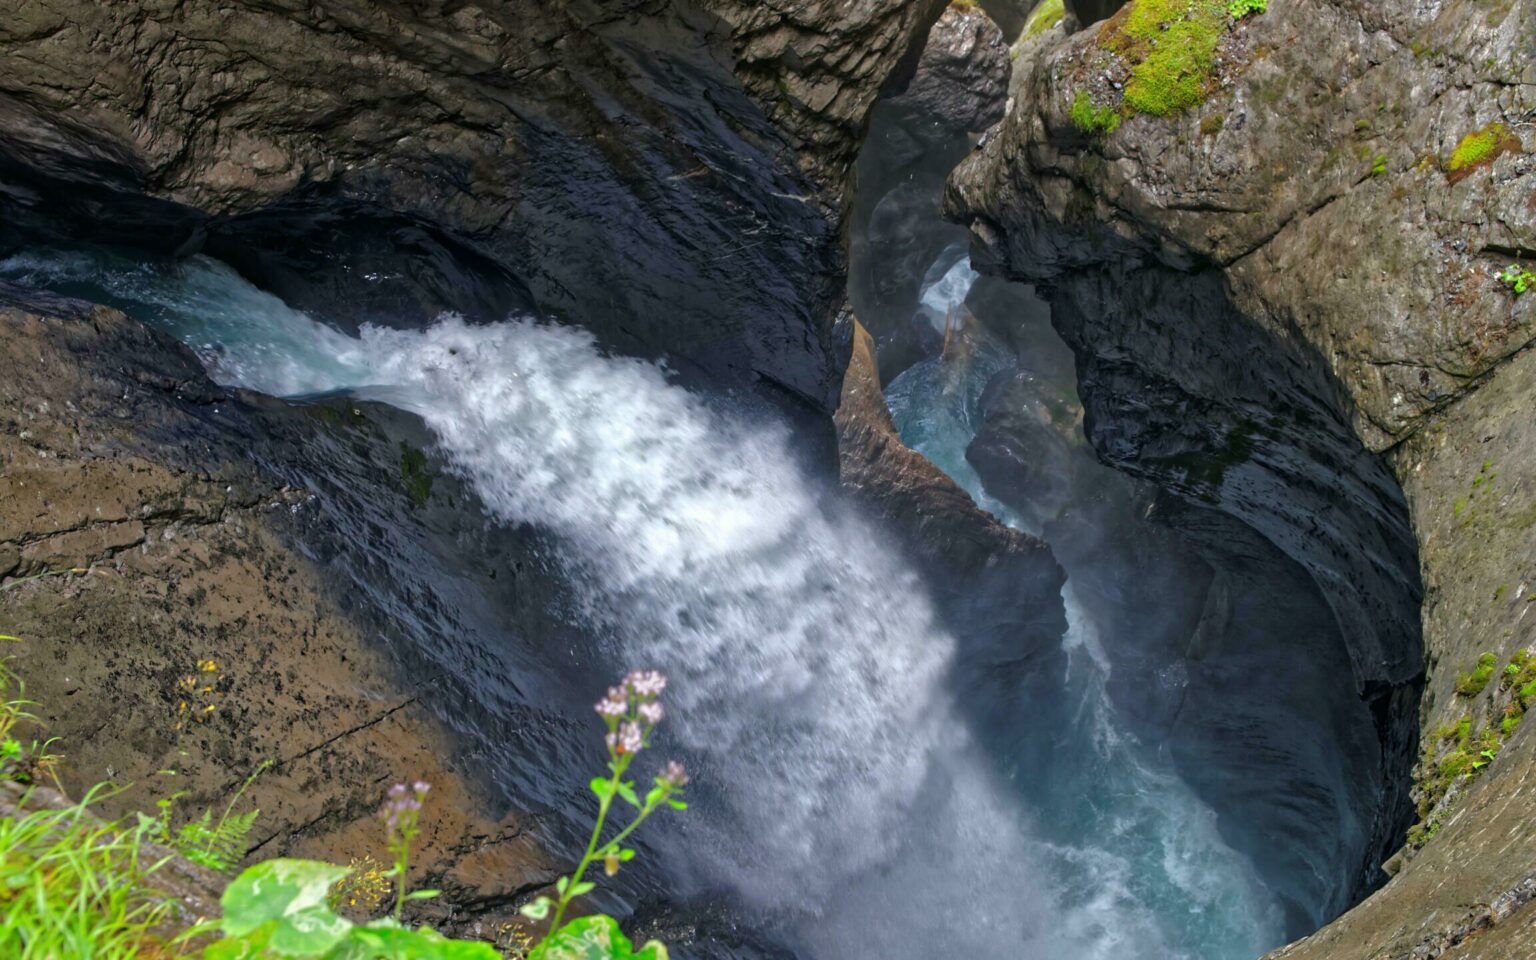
x: 1268, y: 291
x: 668, y: 176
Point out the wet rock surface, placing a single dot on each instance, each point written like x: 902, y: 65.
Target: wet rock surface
x: 917, y: 135
x: 667, y: 174
x: 986, y: 573
x: 1266, y: 292
x: 118, y: 457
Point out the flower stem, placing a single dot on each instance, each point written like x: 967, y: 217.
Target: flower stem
x: 597, y: 831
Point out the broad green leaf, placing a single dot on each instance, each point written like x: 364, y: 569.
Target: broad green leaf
x: 308, y: 933
x: 583, y: 887
x: 248, y: 947
x: 387, y: 940
x: 653, y: 950
x: 423, y: 894
x: 602, y: 787
x: 275, y: 890
x: 597, y: 937
x: 627, y: 791
x: 535, y: 909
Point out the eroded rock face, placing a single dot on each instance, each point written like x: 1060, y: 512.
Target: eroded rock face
x: 601, y: 163
x: 1268, y: 290
x: 119, y: 458
x: 1003, y: 585
x: 1327, y: 152
x: 917, y: 135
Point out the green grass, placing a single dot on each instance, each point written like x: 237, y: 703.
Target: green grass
x: 1044, y: 17
x: 74, y: 887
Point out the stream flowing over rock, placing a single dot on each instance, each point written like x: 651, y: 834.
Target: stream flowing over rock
x: 1067, y: 528
x: 668, y: 174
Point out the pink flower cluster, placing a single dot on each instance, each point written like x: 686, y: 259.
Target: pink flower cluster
x: 403, y: 806
x: 631, y: 711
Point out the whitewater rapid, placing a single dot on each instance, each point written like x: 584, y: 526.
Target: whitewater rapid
x: 811, y: 676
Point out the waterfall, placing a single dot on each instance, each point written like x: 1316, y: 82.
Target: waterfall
x: 841, y: 792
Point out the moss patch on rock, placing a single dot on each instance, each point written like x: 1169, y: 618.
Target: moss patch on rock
x: 1167, y: 53
x: 1458, y: 753
x: 1044, y: 17
x: 1092, y: 118
x: 1479, y: 149
x: 1170, y: 46
x: 415, y: 474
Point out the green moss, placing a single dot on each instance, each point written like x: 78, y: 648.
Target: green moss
x: 1480, y: 148
x: 414, y: 474
x: 1171, y: 48
x: 1212, y: 124
x: 1471, y: 751
x: 1044, y: 17
x: 1238, y: 9
x: 1379, y: 165
x: 1472, y: 684
x: 1091, y: 118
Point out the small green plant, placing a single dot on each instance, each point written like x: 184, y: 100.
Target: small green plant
x: 1090, y: 118
x: 1518, y: 278
x: 1472, y: 684
x: 21, y: 760
x: 1238, y: 9
x: 218, y: 845
x: 1379, y: 165
x: 281, y: 908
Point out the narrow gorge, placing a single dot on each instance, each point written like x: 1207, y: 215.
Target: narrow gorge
x: 1068, y: 459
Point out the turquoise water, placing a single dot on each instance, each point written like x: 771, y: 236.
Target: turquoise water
x: 853, y: 804
x: 1128, y: 837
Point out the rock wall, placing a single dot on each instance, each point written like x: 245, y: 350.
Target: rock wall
x: 118, y: 459
x: 666, y: 173
x: 1285, y: 305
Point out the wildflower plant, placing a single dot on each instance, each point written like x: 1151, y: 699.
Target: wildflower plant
x: 362, y: 891
x: 72, y: 885
x: 402, y: 824
x: 631, y: 711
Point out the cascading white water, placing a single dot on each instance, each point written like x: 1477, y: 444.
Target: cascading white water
x: 811, y: 677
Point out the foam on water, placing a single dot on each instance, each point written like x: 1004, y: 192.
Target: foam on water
x: 811, y: 677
